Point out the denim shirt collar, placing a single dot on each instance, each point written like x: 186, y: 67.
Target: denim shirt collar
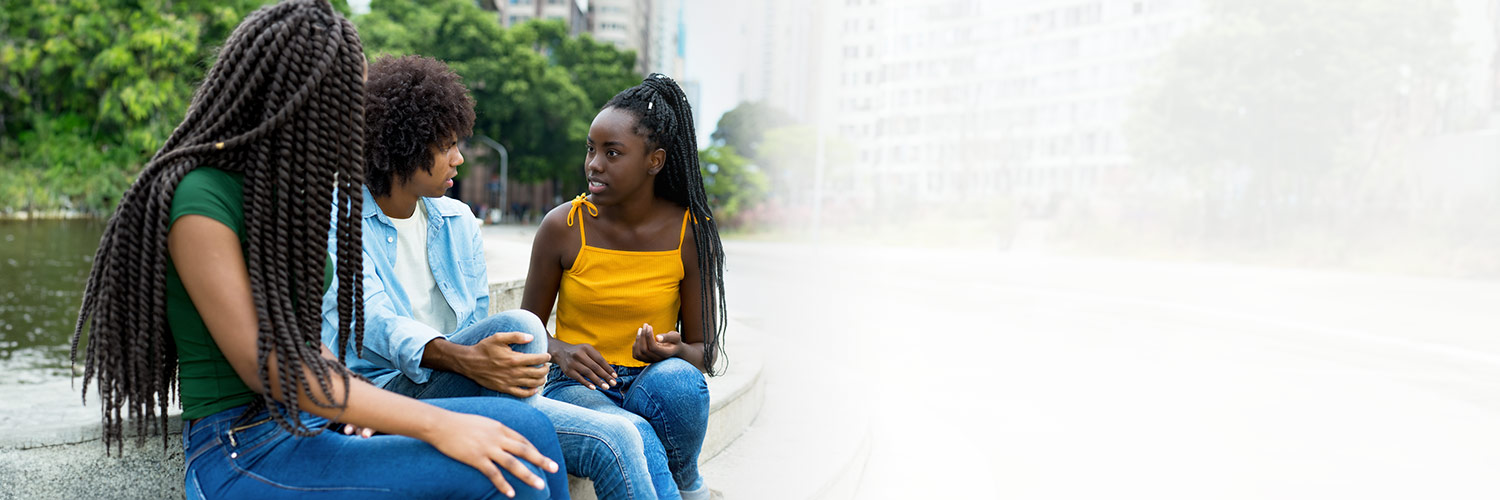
x: 434, y: 210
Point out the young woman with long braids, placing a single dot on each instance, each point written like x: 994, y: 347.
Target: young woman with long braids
x: 636, y: 268
x: 210, y: 274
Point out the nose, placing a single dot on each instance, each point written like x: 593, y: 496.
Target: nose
x: 457, y: 158
x: 592, y: 163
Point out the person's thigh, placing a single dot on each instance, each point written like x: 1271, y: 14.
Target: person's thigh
x: 264, y: 462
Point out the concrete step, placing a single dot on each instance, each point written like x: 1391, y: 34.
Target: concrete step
x: 807, y: 442
x: 50, y: 446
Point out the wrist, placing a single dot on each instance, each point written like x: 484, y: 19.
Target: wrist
x: 441, y: 354
x: 428, y: 426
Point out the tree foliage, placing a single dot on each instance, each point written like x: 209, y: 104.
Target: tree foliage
x: 90, y: 88
x: 536, y: 88
x: 732, y: 183
x: 745, y: 126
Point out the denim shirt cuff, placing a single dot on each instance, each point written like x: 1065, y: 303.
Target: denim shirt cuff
x: 411, y: 364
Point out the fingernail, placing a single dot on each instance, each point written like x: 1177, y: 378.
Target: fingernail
x: 591, y: 387
x: 661, y: 338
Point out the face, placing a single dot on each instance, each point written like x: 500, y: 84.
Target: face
x: 618, y: 165
x: 445, y: 162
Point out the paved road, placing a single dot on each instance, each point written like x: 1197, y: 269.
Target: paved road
x: 987, y: 375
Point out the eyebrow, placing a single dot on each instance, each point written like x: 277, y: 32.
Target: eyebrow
x: 617, y: 144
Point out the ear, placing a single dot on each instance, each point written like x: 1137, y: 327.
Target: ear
x: 656, y: 160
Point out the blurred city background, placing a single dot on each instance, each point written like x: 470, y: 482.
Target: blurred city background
x: 992, y: 249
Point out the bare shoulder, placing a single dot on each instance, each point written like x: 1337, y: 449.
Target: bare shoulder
x: 554, y: 233
x: 556, y: 219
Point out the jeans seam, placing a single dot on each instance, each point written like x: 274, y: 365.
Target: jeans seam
x: 217, y: 443
x: 619, y: 459
x: 236, y: 466
x: 198, y: 487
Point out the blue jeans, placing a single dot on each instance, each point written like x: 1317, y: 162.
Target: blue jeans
x: 228, y: 458
x: 609, y: 449
x: 671, y: 396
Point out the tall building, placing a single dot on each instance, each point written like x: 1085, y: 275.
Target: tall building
x: 665, y: 45
x: 512, y: 12
x: 961, y: 99
x: 624, y: 24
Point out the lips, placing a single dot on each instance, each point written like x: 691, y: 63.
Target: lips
x: 596, y: 187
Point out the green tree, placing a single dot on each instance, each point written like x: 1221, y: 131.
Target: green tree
x: 745, y: 126
x: 789, y: 155
x: 732, y: 183
x: 534, y: 87
x: 91, y: 89
x: 598, y: 68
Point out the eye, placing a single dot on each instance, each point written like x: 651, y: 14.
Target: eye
x: 590, y: 149
x: 612, y: 153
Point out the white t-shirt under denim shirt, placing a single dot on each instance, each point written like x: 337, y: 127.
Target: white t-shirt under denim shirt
x: 415, y: 274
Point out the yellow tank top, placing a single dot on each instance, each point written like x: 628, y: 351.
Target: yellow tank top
x: 607, y: 294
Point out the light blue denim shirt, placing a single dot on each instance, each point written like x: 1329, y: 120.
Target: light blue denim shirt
x: 394, y: 342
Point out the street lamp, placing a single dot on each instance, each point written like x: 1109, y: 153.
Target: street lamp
x: 504, y: 165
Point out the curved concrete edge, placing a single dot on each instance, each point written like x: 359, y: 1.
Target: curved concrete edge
x: 66, y: 459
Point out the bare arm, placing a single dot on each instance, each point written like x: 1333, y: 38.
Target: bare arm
x: 207, y: 255
x: 543, y: 278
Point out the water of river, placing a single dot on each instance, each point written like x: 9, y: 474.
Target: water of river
x: 43, y: 267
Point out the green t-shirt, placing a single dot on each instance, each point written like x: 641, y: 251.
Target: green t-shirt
x: 209, y: 384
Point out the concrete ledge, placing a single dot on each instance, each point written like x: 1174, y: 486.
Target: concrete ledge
x: 50, y: 446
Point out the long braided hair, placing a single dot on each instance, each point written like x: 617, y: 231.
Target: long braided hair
x: 282, y: 105
x: 666, y: 120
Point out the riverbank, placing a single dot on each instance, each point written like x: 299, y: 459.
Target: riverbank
x: 60, y: 214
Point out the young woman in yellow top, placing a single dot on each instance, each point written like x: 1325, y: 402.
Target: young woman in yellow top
x: 636, y: 268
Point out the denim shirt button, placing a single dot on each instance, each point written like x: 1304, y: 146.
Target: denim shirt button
x: 390, y: 239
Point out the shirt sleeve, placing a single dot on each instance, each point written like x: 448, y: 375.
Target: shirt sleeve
x: 211, y: 194
x: 391, y: 339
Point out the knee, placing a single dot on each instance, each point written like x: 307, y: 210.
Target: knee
x: 520, y: 320
x: 677, y: 390
x: 637, y: 425
x: 679, y: 377
x: 623, y: 433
